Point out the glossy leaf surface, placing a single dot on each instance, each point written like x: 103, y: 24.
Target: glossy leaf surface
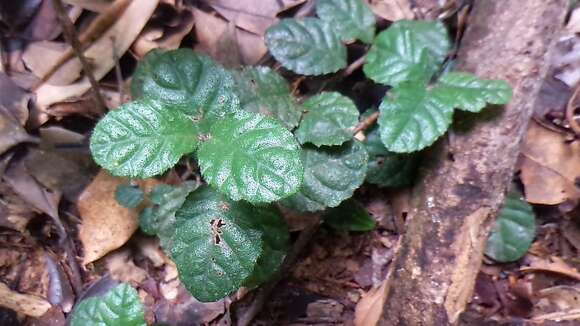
x: 352, y: 19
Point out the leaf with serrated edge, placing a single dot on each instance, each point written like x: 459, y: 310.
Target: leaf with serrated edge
x: 388, y: 169
x: 251, y: 157
x: 352, y: 19
x: 306, y: 46
x: 412, y: 118
x: 349, y: 216
x: 187, y: 81
x: 217, y: 242
x: 515, y: 228
x: 330, y: 120
x: 142, y: 139
x: 331, y: 175
x: 262, y: 90
x: 466, y: 92
x: 160, y: 218
x: 407, y: 51
x: 120, y: 306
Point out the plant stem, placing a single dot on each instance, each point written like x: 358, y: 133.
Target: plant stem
x: 354, y: 66
x: 369, y: 121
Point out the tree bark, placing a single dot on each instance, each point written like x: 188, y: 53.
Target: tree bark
x: 432, y: 276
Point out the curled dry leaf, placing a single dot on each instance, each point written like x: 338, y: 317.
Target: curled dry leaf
x: 370, y: 307
x: 122, y: 268
x: 102, y: 53
x: 392, y: 10
x: 27, y: 304
x: 553, y: 265
x: 550, y: 167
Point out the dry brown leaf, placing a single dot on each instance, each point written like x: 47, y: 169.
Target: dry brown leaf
x: 573, y: 25
x: 102, y: 53
x: 370, y: 307
x: 252, y: 15
x: 92, y: 5
x: 122, y: 268
x: 550, y: 167
x: 40, y: 57
x: 209, y: 30
x: 553, y: 264
x: 392, y: 10
x: 106, y: 225
x: 163, y: 37
x: 27, y: 304
x: 557, y: 303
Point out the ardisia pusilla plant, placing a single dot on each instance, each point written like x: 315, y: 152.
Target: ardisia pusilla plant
x: 258, y: 147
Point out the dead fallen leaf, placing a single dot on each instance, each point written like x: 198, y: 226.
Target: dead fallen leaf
x: 252, y: 15
x: 106, y: 225
x: 16, y: 14
x: 122, y: 268
x: 557, y: 303
x: 392, y: 10
x: 40, y: 57
x: 553, y: 264
x: 92, y: 5
x: 27, y: 304
x: 60, y: 291
x: 370, y: 307
x: 209, y: 29
x: 14, y: 99
x: 550, y: 167
x: 113, y: 43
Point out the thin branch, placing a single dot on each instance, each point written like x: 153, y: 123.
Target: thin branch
x: 354, y: 66
x: 72, y: 37
x: 369, y: 121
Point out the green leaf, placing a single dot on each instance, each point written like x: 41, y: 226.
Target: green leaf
x: 129, y: 196
x: 514, y: 231
x: 385, y: 168
x: 251, y: 157
x: 307, y: 46
x: 407, y: 51
x: 118, y: 307
x: 159, y: 219
x: 466, y: 92
x: 413, y: 118
x: 352, y: 19
x: 330, y: 120
x: 187, y: 81
x: 217, y: 242
x: 331, y: 175
x: 262, y: 90
x: 142, y: 139
x: 349, y: 216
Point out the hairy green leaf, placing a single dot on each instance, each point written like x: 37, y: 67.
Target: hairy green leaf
x: 142, y: 139
x: 407, y: 51
x: 217, y: 242
x: 388, y: 169
x: 331, y: 175
x: 307, y: 46
x: 187, y: 81
x: 262, y: 90
x: 159, y: 219
x: 330, y: 120
x: 118, y: 307
x: 514, y: 231
x: 349, y: 216
x: 251, y: 157
x: 352, y: 19
x: 466, y: 92
x: 129, y: 196
x: 412, y: 118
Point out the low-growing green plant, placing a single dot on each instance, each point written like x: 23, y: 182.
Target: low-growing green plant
x: 257, y: 146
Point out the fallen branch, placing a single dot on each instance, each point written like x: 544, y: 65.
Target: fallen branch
x: 432, y: 276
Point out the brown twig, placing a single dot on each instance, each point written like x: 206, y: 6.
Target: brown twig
x: 570, y: 110
x: 369, y: 121
x: 265, y: 291
x: 354, y: 66
x: 72, y: 37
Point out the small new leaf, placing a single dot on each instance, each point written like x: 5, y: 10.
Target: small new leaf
x: 251, y: 157
x: 307, y: 46
x: 407, y: 51
x: 331, y: 175
x: 217, y: 242
x: 330, y: 120
x: 352, y: 19
x: 118, y: 307
x: 466, y: 92
x: 412, y: 118
x: 187, y: 81
x: 515, y: 228
x: 129, y: 196
x: 142, y: 139
x: 262, y: 90
x: 349, y: 216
